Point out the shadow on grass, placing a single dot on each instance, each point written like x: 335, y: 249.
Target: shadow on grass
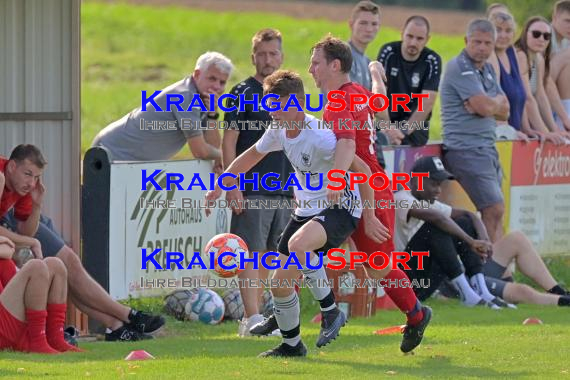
x: 438, y: 364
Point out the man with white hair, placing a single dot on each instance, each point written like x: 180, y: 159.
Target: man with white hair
x: 158, y: 133
x: 471, y: 103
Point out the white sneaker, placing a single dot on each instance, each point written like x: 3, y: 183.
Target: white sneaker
x: 247, y: 323
x: 276, y: 332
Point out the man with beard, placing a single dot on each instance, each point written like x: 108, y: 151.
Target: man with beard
x: 411, y: 68
x: 260, y: 228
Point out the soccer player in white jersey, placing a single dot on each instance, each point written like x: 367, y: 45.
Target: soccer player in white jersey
x: 310, y: 147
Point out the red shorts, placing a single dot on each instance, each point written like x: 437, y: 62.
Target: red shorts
x: 12, y: 331
x: 388, y: 217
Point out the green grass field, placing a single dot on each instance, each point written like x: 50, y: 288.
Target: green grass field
x: 128, y: 48
x: 460, y: 342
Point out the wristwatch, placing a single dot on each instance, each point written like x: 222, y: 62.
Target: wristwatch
x: 213, y: 116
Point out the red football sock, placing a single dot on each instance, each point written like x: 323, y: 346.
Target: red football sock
x: 37, y: 341
x: 54, y: 328
x: 404, y: 297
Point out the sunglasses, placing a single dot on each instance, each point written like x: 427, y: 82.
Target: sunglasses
x: 538, y: 33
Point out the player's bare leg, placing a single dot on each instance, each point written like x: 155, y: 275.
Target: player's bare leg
x: 521, y: 293
x: 516, y: 246
x: 25, y: 297
x: 106, y: 320
x: 308, y: 238
x: 92, y: 295
x: 492, y: 217
x: 87, y: 289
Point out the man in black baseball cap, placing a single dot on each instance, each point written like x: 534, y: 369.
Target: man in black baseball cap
x: 445, y: 232
x: 433, y: 166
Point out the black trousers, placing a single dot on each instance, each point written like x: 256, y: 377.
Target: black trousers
x: 445, y: 253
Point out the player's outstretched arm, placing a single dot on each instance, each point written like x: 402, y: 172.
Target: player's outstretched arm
x: 202, y: 150
x: 378, y: 87
x: 242, y: 164
x: 229, y: 143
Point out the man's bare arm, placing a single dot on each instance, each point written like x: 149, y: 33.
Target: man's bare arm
x: 202, y: 150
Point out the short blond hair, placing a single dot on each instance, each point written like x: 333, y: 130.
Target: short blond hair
x: 266, y: 35
x: 364, y: 6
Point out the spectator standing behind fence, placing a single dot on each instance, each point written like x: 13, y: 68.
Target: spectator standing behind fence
x: 524, y: 113
x: 561, y: 55
x: 260, y: 228
x: 561, y: 76
x: 561, y: 27
x: 471, y: 101
x: 126, y: 141
x: 364, y: 25
x: 533, y: 47
x: 411, y: 68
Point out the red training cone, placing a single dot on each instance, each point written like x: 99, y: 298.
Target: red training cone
x: 532, y: 321
x: 139, y: 355
x: 317, y: 318
x: 390, y: 330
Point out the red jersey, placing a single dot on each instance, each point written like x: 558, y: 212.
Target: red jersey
x: 357, y: 125
x: 7, y: 271
x: 22, y: 204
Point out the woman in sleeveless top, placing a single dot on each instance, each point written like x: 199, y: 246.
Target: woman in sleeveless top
x: 523, y: 108
x: 533, y: 53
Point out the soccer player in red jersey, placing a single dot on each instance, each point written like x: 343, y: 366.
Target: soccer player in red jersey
x: 32, y: 303
x: 330, y: 65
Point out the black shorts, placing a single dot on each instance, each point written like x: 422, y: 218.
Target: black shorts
x: 338, y: 223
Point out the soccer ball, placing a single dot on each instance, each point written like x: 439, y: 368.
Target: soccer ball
x: 234, y: 304
x: 175, y: 302
x: 205, y: 306
x: 22, y: 256
x: 226, y: 243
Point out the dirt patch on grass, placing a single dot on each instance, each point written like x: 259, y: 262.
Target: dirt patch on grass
x: 442, y: 21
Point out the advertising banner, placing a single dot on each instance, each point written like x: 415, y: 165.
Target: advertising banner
x: 138, y: 220
x: 540, y: 195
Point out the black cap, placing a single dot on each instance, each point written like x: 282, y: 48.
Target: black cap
x: 433, y: 166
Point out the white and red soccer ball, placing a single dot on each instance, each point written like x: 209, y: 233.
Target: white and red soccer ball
x: 226, y: 243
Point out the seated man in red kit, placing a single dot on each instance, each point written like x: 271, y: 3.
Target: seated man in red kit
x: 32, y: 303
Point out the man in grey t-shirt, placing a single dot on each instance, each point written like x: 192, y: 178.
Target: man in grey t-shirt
x: 471, y: 102
x: 158, y: 135
x: 364, y: 26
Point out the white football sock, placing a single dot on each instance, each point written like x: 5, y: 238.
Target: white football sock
x: 467, y: 294
x: 287, y: 312
x: 480, y: 286
x: 316, y: 280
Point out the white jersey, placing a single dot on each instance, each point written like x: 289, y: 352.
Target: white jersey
x: 311, y: 154
x: 407, y: 226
